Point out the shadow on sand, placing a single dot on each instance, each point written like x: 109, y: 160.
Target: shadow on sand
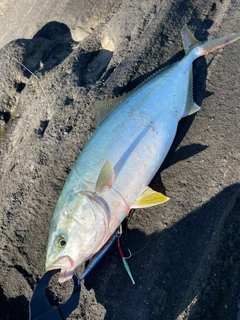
x: 169, y: 271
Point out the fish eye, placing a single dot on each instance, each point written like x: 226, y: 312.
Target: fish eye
x: 61, y: 242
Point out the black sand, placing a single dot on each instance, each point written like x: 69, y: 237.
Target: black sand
x: 189, y: 266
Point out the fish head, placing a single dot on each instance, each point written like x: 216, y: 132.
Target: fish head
x: 78, y: 230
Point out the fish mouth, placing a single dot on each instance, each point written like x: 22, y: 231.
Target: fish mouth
x: 65, y: 275
x: 65, y: 264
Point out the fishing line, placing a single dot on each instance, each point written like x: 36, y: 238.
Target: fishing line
x: 48, y: 111
x: 46, y: 100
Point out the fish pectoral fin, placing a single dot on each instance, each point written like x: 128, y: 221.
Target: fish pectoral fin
x: 106, y: 176
x: 190, y: 107
x: 149, y: 198
x: 104, y: 108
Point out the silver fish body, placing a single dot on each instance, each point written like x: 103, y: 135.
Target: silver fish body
x: 112, y: 174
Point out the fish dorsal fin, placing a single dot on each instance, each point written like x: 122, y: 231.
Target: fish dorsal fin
x: 190, y: 107
x: 188, y: 39
x: 106, y: 176
x: 149, y: 198
x: 104, y: 108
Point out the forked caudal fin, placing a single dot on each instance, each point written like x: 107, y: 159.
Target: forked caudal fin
x: 197, y: 49
x: 190, y: 42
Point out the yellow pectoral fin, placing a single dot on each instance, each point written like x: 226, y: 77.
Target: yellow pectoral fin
x: 149, y: 198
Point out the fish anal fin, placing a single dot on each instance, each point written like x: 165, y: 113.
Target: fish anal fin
x: 149, y: 198
x: 104, y: 108
x: 106, y: 177
x: 190, y: 106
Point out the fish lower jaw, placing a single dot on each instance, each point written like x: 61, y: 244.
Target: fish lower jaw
x: 65, y: 275
x: 66, y: 268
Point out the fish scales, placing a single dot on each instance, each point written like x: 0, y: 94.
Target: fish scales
x: 112, y: 173
x: 136, y: 136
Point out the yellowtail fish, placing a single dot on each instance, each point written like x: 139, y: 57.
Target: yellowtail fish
x: 112, y: 174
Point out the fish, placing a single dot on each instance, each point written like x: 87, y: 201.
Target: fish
x: 112, y: 174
